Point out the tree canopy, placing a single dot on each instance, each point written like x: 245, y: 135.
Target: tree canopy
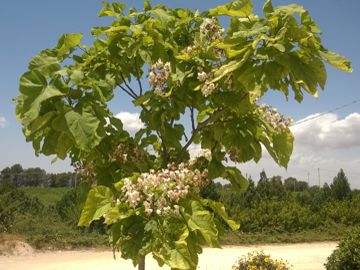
x: 147, y: 184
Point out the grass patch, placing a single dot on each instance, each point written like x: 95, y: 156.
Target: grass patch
x: 48, y: 196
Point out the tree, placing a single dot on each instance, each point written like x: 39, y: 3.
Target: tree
x: 12, y: 174
x: 340, y: 186
x: 146, y: 184
x: 292, y: 184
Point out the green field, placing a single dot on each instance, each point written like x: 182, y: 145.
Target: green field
x: 47, y: 196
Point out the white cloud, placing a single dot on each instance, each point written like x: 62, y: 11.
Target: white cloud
x: 326, y: 143
x: 328, y: 132
x: 2, y: 121
x: 131, y: 121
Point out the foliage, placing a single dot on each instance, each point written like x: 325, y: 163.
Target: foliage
x: 196, y: 70
x: 69, y: 206
x: 340, y: 187
x: 347, y: 254
x: 258, y: 261
x: 14, y: 202
x: 22, y: 214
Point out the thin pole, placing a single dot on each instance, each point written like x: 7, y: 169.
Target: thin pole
x: 319, y: 175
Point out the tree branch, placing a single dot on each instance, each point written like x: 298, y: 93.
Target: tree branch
x: 212, y: 117
x: 192, y: 118
x: 127, y: 92
x: 128, y: 87
x: 138, y: 77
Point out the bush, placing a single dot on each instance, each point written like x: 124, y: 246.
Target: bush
x: 15, y: 202
x: 70, y: 205
x: 347, y: 254
x: 259, y: 261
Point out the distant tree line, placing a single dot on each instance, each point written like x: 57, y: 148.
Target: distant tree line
x: 289, y: 205
x: 36, y: 177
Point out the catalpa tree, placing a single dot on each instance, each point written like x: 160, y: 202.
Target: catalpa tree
x: 203, y: 86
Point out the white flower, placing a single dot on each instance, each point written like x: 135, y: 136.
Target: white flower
x: 207, y: 89
x: 202, y: 76
x: 274, y: 118
x: 206, y: 153
x: 158, y: 75
x: 158, y: 91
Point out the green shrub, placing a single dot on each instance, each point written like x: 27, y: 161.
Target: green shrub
x: 71, y: 203
x: 13, y: 202
x: 259, y: 261
x: 347, y: 254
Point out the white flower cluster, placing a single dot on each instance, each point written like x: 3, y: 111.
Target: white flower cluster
x: 207, y: 89
x: 274, y: 118
x: 158, y: 75
x: 190, y: 49
x: 211, y: 29
x: 202, y: 76
x: 160, y: 191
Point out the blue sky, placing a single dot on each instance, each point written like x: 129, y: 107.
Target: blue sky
x: 30, y: 26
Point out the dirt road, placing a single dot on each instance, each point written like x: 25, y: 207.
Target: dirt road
x: 302, y: 256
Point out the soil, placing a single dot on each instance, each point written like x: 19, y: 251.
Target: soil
x: 306, y: 256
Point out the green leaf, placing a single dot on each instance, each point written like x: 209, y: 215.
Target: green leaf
x: 112, y: 9
x: 230, y: 67
x: 257, y: 28
x: 40, y: 122
x: 35, y: 90
x: 83, y: 126
x: 200, y: 220
x: 67, y: 42
x: 46, y: 63
x: 163, y: 16
x: 216, y: 169
x: 283, y: 147
x: 77, y: 76
x: 219, y: 209
x: 180, y: 256
x: 307, y: 73
x: 236, y: 178
x: 268, y: 7
x: 97, y: 204
x: 143, y: 99
x: 335, y: 60
x: 240, y: 8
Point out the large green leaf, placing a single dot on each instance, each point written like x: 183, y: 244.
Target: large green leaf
x: 335, y: 60
x: 237, y: 8
x: 97, y: 204
x: 283, y: 147
x: 83, y: 126
x: 219, y: 209
x: 67, y: 42
x: 230, y: 67
x: 236, y: 178
x: 306, y: 73
x: 35, y: 91
x: 46, y: 63
x: 200, y: 220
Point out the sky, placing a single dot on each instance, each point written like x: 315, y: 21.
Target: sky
x: 322, y: 145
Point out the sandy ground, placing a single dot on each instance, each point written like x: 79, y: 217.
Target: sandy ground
x: 308, y: 256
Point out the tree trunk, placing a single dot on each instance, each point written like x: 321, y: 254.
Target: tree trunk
x: 142, y: 264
